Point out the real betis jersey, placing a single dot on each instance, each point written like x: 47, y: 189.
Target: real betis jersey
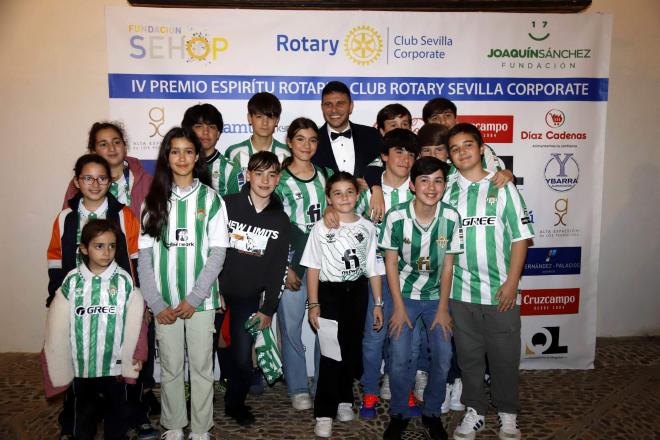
x: 226, y: 177
x: 421, y: 248
x: 98, y: 309
x: 121, y: 188
x: 492, y: 219
x: 342, y: 254
x: 241, y: 153
x: 197, y: 222
x: 392, y: 196
x: 304, y: 201
x: 490, y: 162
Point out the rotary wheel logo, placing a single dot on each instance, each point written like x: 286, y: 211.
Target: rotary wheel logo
x: 363, y: 45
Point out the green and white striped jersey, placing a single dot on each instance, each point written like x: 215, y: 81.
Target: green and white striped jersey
x: 197, y: 221
x: 490, y: 162
x: 304, y: 201
x: 492, y: 219
x: 421, y: 249
x: 241, y: 153
x: 392, y: 196
x: 342, y: 254
x: 226, y: 176
x: 98, y: 310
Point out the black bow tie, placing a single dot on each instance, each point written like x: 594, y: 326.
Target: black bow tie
x: 347, y: 134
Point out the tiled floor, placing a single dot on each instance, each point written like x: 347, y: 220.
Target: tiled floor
x: 619, y: 399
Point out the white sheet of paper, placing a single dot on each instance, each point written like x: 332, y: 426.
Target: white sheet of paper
x: 328, y: 338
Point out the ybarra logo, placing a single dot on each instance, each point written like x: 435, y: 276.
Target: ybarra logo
x: 562, y: 172
x: 545, y: 343
x: 497, y: 129
x: 553, y: 261
x: 362, y: 44
x: 550, y: 302
x: 172, y: 42
x: 96, y: 310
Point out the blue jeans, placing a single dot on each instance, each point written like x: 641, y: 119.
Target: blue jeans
x: 402, y: 374
x: 291, y: 316
x: 421, y: 351
x: 374, y: 343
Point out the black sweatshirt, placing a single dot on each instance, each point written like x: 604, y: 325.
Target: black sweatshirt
x: 256, y: 259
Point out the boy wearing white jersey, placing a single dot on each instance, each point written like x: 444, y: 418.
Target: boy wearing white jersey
x: 264, y: 111
x: 484, y: 298
x: 420, y: 237
x: 91, y: 334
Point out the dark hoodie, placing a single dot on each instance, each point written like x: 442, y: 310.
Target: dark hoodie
x: 256, y: 259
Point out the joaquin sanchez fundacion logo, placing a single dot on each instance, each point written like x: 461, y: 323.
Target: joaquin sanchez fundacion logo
x: 174, y: 42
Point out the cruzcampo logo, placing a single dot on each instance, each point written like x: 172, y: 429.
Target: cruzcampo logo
x: 539, y: 32
x: 363, y: 45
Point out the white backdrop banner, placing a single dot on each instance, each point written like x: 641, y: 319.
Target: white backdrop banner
x: 536, y: 84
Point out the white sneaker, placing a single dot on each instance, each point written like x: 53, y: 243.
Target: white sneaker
x: 508, y: 426
x: 385, y: 392
x: 172, y: 434
x: 345, y: 412
x: 456, y: 391
x: 301, y: 401
x: 323, y: 427
x: 470, y: 425
x: 445, y: 405
x: 204, y: 436
x: 421, y: 379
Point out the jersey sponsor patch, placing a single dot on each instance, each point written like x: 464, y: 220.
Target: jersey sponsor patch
x: 96, y: 310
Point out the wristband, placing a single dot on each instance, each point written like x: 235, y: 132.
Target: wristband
x: 379, y: 302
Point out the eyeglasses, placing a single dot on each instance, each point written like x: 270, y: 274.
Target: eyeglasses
x: 89, y: 180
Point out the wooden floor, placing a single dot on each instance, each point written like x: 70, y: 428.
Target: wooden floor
x: 619, y: 399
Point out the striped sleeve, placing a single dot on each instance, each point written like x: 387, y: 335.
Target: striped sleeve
x: 388, y: 238
x: 490, y: 161
x: 456, y: 244
x: 217, y: 225
x: 515, y: 215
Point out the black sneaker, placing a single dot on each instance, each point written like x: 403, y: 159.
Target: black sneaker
x: 434, y: 427
x: 241, y: 414
x: 257, y: 386
x: 149, y: 398
x: 395, y: 428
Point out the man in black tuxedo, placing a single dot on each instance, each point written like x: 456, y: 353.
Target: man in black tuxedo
x: 343, y: 145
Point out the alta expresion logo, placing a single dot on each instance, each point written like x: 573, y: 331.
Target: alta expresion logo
x: 550, y: 302
x: 545, y: 344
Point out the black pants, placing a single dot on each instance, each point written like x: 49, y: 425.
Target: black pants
x: 87, y: 404
x: 345, y: 302
x: 239, y: 365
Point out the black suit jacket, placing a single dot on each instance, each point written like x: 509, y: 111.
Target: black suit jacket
x: 367, y: 142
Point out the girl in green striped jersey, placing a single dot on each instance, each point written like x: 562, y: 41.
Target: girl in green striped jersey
x: 301, y: 189
x: 92, y: 332
x: 182, y: 250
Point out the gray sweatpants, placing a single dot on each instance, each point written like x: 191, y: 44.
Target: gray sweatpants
x: 481, y: 330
